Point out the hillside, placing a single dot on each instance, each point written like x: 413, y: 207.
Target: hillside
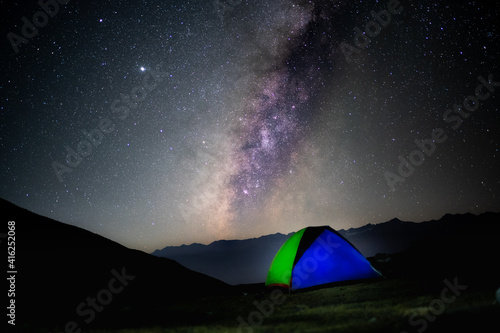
x: 63, y: 269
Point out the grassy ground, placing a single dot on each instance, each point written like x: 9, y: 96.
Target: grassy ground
x: 382, y: 306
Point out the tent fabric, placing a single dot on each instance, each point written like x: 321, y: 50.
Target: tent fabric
x: 317, y: 255
x: 280, y: 272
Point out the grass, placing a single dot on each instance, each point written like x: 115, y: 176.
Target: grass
x: 382, y: 306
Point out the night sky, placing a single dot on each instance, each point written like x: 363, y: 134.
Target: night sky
x: 159, y: 122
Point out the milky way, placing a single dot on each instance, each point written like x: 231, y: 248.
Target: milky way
x: 259, y: 121
x: 273, y: 116
x: 270, y: 133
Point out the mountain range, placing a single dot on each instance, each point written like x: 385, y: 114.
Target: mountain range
x: 247, y: 261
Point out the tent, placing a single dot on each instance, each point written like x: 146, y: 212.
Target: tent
x: 317, y: 255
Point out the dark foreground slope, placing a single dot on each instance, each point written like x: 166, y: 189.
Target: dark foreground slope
x: 67, y: 276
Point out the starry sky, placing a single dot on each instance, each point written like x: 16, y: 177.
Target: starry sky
x: 169, y: 122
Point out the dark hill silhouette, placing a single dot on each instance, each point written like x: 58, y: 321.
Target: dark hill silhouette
x: 465, y: 246
x: 223, y: 259
x: 59, y: 266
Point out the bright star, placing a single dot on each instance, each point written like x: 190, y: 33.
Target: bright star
x: 143, y: 69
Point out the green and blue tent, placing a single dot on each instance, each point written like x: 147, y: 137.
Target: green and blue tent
x: 318, y: 255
